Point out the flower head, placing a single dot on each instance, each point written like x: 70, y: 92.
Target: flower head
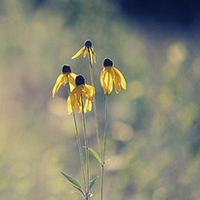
x: 76, y: 96
x: 86, y: 49
x: 110, y: 74
x: 62, y: 79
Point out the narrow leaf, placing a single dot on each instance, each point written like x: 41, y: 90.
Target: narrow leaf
x: 73, y: 182
x: 92, y: 182
x: 77, y: 189
x: 96, y: 155
x: 106, y: 161
x: 76, y: 193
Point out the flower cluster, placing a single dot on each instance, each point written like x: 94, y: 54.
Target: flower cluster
x: 81, y: 97
x: 77, y: 86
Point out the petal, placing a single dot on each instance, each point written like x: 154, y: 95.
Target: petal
x: 79, y: 53
x: 117, y: 81
x: 88, y: 105
x: 88, y: 91
x: 78, y: 103
x: 102, y: 77
x: 120, y: 78
x: 91, y: 55
x: 74, y: 100
x: 61, y: 80
x: 84, y: 52
x: 69, y: 105
x: 72, y: 77
x: 108, y: 81
x: 104, y: 80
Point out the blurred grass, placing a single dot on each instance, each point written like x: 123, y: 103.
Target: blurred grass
x: 153, y: 137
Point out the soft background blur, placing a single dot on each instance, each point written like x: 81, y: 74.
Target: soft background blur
x: 154, y: 126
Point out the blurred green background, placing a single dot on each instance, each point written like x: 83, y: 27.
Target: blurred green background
x: 153, y: 133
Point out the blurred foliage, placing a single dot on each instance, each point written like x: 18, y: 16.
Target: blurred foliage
x: 153, y: 140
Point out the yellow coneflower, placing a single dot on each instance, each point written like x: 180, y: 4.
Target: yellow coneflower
x: 62, y: 79
x: 86, y: 49
x: 75, y: 98
x: 110, y: 74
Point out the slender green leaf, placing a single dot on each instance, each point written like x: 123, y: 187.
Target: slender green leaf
x: 95, y: 154
x: 76, y: 193
x: 73, y: 182
x: 106, y: 161
x: 92, y: 182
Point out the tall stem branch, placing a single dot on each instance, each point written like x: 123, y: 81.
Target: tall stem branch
x: 78, y: 141
x: 94, y: 100
x: 104, y: 145
x: 86, y: 150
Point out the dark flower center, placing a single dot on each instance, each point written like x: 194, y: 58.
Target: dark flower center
x: 66, y: 68
x: 88, y: 43
x: 107, y: 62
x: 80, y: 80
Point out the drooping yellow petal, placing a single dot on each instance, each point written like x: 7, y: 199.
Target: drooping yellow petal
x: 78, y: 104
x: 119, y: 78
x: 117, y: 81
x: 74, y: 100
x: 105, y: 80
x: 69, y: 105
x: 93, y: 54
x: 79, y: 53
x: 84, y: 52
x: 72, y: 77
x: 88, y: 91
x: 108, y: 81
x: 102, y: 77
x: 88, y: 105
x: 61, y: 80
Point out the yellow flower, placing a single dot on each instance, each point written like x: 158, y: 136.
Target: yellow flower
x: 83, y: 52
x: 110, y: 74
x: 76, y: 96
x: 62, y: 79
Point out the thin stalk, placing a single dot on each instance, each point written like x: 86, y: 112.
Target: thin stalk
x: 94, y: 100
x: 78, y: 141
x: 86, y: 151
x: 104, y: 145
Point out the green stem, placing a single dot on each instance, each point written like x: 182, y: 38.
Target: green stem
x: 104, y: 145
x: 94, y: 100
x: 86, y: 151
x: 78, y: 140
